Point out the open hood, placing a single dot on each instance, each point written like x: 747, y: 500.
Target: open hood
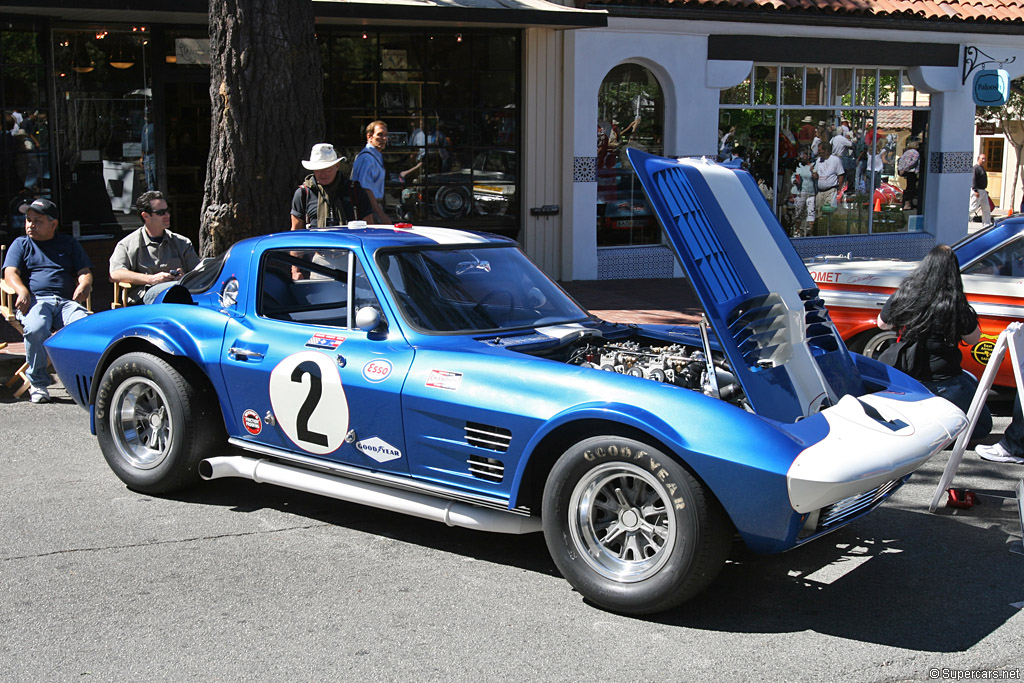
x: 758, y: 296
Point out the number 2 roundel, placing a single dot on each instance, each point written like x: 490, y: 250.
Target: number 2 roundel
x: 309, y: 401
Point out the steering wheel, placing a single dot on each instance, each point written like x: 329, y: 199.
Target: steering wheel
x: 482, y: 304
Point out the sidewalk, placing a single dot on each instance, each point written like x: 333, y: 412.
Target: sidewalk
x: 657, y: 301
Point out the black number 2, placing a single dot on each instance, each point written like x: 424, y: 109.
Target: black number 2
x: 312, y: 399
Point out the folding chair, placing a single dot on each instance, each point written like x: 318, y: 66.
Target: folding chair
x: 7, y: 311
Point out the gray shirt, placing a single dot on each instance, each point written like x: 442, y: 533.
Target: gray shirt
x: 140, y: 253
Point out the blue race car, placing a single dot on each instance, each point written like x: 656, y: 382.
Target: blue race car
x: 441, y: 374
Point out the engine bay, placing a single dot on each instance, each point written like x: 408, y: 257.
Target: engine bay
x: 681, y: 364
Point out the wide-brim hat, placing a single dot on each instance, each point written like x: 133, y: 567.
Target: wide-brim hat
x: 43, y: 206
x: 807, y: 119
x: 322, y: 156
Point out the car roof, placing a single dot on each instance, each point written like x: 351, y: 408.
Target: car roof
x: 374, y: 237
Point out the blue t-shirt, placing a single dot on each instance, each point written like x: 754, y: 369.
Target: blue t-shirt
x: 368, y: 170
x: 49, y: 267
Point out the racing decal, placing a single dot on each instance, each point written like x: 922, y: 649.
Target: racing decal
x: 819, y: 276
x: 309, y: 401
x: 444, y: 379
x: 982, y: 351
x: 378, y: 449
x: 377, y: 370
x: 252, y: 422
x: 324, y: 341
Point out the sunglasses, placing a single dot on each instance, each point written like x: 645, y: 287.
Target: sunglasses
x: 160, y: 212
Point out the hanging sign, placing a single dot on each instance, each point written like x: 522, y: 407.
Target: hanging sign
x: 991, y: 87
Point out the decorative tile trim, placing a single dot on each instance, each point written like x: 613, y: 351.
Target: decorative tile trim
x: 641, y: 263
x: 899, y: 245
x: 584, y: 169
x: 950, y: 162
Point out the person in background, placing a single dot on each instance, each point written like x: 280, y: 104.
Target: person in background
x: 368, y: 169
x: 326, y: 197
x: 827, y: 173
x: 152, y: 258
x: 979, y: 192
x: 930, y: 310
x: 803, y: 197
x: 52, y: 277
x: 909, y: 166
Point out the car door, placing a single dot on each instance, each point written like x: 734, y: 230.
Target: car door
x: 303, y: 377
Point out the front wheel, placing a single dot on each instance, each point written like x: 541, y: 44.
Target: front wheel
x: 153, y: 423
x: 630, y: 528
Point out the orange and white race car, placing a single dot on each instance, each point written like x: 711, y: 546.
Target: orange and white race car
x: 992, y: 265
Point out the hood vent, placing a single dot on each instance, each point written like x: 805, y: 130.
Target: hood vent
x: 820, y: 330
x: 487, y: 469
x: 759, y: 328
x: 487, y: 436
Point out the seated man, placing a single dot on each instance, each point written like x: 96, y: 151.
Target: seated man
x: 52, y: 277
x: 152, y: 258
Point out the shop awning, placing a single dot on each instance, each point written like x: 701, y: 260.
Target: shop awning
x: 507, y: 13
x: 503, y: 13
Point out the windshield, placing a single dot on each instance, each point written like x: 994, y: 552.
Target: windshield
x: 474, y: 289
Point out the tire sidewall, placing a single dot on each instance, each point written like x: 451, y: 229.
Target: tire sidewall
x: 652, y: 593
x: 178, y: 465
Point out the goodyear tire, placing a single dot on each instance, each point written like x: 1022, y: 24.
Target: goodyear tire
x: 153, y: 423
x: 630, y: 528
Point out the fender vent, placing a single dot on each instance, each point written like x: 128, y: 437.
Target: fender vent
x: 486, y: 436
x: 487, y: 469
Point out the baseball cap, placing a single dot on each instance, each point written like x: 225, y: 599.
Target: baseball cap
x: 44, y: 206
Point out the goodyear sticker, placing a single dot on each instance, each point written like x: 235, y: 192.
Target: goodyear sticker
x: 378, y: 449
x: 324, y: 341
x: 252, y: 422
x: 444, y: 379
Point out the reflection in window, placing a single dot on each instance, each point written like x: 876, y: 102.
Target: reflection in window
x: 450, y: 100
x: 872, y: 120
x: 630, y: 112
x: 25, y: 156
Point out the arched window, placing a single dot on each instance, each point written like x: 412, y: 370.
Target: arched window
x: 630, y: 113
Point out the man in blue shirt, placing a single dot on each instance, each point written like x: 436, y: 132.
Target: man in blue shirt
x: 51, y: 275
x: 368, y: 169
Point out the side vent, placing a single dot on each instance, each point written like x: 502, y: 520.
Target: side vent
x: 487, y: 469
x: 83, y: 383
x: 487, y: 436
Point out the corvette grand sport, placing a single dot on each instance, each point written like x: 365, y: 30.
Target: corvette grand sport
x: 441, y: 374
x: 992, y: 268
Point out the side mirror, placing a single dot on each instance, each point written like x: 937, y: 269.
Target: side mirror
x: 367, y: 318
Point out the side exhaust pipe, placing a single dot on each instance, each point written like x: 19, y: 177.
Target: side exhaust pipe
x: 452, y: 513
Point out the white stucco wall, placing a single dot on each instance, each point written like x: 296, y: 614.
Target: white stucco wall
x: 676, y: 52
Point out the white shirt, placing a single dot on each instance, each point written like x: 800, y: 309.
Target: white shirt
x: 828, y: 172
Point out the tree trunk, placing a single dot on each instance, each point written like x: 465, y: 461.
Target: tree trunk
x: 266, y: 89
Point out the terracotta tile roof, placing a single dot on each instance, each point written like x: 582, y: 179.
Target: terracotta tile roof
x: 998, y: 11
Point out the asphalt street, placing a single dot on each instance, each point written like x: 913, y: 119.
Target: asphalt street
x: 241, y: 581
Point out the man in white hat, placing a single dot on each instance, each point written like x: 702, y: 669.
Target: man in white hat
x: 326, y: 198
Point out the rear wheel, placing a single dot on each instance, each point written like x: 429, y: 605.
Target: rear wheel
x: 630, y: 528
x: 154, y: 424
x: 874, y: 342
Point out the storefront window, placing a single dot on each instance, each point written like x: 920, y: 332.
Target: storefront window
x: 630, y: 113
x: 451, y: 102
x: 872, y: 120
x: 104, y: 106
x: 25, y: 152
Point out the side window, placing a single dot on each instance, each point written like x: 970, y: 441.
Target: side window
x: 310, y: 286
x: 1006, y: 260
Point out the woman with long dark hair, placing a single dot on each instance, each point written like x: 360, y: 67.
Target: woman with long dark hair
x: 930, y: 310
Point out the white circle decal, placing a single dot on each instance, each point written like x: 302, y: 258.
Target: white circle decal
x: 309, y: 401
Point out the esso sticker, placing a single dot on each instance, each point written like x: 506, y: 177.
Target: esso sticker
x: 309, y: 401
x: 377, y: 370
x: 252, y: 422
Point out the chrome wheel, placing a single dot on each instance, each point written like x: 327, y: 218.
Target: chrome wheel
x: 619, y: 518
x: 878, y: 342
x: 141, y: 423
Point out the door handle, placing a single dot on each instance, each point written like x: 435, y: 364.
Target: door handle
x: 239, y: 353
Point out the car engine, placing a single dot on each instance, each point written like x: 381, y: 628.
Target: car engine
x: 676, y: 364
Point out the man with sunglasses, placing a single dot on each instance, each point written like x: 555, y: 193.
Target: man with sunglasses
x: 152, y: 258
